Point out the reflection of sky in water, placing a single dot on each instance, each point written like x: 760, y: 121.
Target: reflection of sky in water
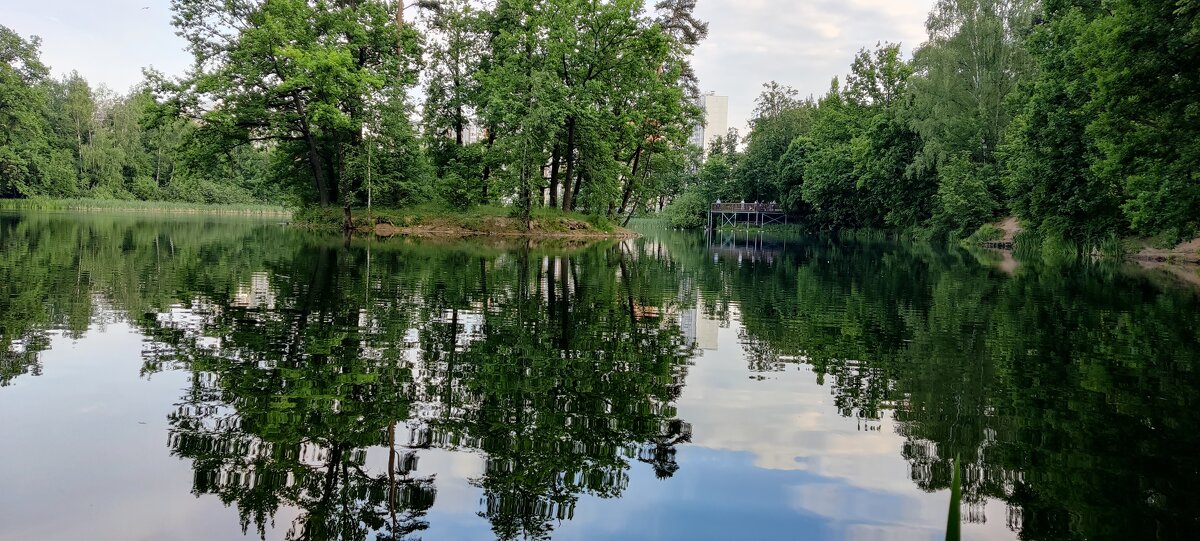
x: 770, y: 459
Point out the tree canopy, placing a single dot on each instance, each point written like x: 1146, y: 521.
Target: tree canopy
x: 1074, y: 116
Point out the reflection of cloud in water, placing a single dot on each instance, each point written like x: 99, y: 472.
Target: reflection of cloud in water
x: 796, y: 427
x: 847, y: 503
x: 795, y: 423
x: 454, y: 470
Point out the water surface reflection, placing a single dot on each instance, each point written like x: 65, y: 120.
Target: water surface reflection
x: 662, y: 388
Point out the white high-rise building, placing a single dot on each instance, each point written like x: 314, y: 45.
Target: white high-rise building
x: 716, y: 120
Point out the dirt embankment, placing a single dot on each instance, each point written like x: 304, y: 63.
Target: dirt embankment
x: 1180, y: 263
x: 1011, y: 228
x: 559, y: 228
x: 1184, y: 252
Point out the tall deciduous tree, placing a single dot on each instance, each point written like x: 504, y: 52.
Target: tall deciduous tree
x: 22, y: 125
x: 1145, y: 60
x: 964, y: 74
x: 1049, y: 177
x: 455, y: 47
x: 299, y: 74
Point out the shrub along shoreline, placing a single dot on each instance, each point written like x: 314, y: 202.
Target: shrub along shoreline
x: 149, y: 207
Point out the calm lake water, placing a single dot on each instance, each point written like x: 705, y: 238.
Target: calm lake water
x: 202, y: 379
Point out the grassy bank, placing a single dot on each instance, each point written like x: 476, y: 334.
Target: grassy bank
x: 441, y: 221
x: 116, y: 205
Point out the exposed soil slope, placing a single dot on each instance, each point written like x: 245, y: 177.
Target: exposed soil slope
x: 1187, y: 252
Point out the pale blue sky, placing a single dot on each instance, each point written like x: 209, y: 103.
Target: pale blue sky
x: 799, y: 43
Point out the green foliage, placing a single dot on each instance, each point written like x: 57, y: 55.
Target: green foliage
x: 457, y: 191
x: 23, y: 144
x: 1143, y: 60
x: 314, y: 73
x: 1112, y: 247
x: 1078, y: 116
x: 963, y: 201
x: 68, y: 140
x: 964, y: 74
x: 688, y: 211
x: 779, y: 121
x: 1049, y: 138
x: 985, y: 233
x: 830, y: 186
x: 883, y: 159
x: 151, y: 207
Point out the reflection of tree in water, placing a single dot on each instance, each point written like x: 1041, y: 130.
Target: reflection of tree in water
x: 1070, y: 393
x: 45, y: 285
x: 568, y: 378
x: 302, y: 358
x: 59, y: 274
x: 284, y: 402
x: 294, y: 387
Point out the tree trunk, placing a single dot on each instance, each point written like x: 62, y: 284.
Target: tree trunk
x: 487, y: 166
x: 633, y: 210
x: 629, y: 181
x: 575, y: 189
x: 314, y: 155
x: 158, y: 166
x: 459, y: 119
x: 318, y: 169
x: 568, y: 194
x: 555, y: 163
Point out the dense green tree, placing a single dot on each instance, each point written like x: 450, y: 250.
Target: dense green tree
x: 454, y: 51
x: 973, y: 61
x: 300, y: 75
x: 1050, y: 180
x: 887, y: 146
x: 23, y: 144
x: 829, y: 187
x: 1145, y: 65
x: 779, y: 119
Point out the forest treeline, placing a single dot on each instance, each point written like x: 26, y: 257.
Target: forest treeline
x: 577, y: 105
x: 1080, y: 117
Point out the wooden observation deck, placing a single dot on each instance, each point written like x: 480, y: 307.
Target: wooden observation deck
x: 747, y: 214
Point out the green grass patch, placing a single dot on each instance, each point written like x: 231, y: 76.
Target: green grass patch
x: 1050, y: 248
x: 1165, y: 240
x: 119, y: 205
x: 1113, y: 247
x: 867, y: 235
x: 986, y: 233
x: 1059, y: 251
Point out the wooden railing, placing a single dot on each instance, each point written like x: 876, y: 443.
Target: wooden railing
x: 746, y: 207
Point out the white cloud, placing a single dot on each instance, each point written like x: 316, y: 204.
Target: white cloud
x: 800, y: 44
x: 107, y: 42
